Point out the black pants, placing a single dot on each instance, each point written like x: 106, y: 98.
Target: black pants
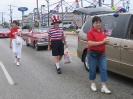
x: 57, y: 48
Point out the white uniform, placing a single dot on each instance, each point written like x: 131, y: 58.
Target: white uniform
x: 17, y: 48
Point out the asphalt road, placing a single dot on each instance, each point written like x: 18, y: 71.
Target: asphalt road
x: 36, y: 77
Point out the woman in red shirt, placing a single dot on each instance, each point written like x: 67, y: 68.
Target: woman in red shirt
x: 96, y: 54
x: 15, y: 42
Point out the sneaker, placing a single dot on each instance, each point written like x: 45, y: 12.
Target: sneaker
x: 17, y: 64
x: 58, y: 71
x: 93, y: 87
x: 105, y: 90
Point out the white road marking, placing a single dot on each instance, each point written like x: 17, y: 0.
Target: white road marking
x: 7, y: 74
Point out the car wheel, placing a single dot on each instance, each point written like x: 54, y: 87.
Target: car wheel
x: 36, y: 46
x: 86, y: 62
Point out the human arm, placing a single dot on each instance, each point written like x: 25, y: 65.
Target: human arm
x: 11, y: 43
x: 64, y: 39
x: 48, y: 43
x: 10, y: 35
x: 94, y: 43
x: 49, y: 40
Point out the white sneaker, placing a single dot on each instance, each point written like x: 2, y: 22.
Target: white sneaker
x: 105, y: 90
x: 17, y: 64
x: 93, y: 87
x: 15, y: 60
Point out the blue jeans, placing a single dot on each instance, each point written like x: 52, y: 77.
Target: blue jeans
x: 102, y: 64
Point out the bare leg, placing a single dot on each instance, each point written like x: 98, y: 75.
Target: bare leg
x: 18, y: 59
x: 103, y: 84
x: 92, y: 81
x: 60, y: 57
x: 56, y: 60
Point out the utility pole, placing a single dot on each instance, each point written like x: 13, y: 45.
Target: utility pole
x: 128, y: 7
x: 62, y: 11
x: 2, y: 13
x: 48, y: 10
x: 42, y: 16
x: 11, y: 12
x: 82, y: 14
x: 37, y: 13
x: 123, y: 3
x: 112, y: 3
x: 100, y: 3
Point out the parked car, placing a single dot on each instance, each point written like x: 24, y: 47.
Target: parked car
x: 36, y: 37
x: 4, y: 32
x: 120, y: 33
x: 26, y: 27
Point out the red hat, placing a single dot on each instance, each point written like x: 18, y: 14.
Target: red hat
x: 55, y: 19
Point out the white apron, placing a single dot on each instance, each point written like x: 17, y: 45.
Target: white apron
x: 17, y: 48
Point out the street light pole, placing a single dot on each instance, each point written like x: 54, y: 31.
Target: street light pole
x: 62, y: 11
x: 82, y: 14
x: 11, y: 12
x: 48, y: 10
x: 2, y: 16
x: 42, y: 14
x: 37, y: 13
x: 100, y: 3
x: 112, y: 3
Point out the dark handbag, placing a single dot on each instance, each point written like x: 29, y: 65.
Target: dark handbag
x: 95, y: 53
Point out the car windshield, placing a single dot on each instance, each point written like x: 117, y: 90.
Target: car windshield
x: 42, y: 30
x: 4, y: 29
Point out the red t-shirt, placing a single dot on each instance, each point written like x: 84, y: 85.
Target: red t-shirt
x: 94, y: 35
x: 14, y: 32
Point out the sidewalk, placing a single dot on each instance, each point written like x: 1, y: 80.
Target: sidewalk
x: 69, y: 33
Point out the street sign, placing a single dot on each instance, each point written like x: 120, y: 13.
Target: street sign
x: 22, y: 8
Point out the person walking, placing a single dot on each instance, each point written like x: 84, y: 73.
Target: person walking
x: 57, y: 38
x: 16, y: 42
x: 97, y: 54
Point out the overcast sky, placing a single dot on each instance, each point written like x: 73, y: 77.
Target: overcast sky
x: 31, y: 4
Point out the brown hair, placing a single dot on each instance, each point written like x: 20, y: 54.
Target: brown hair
x: 15, y: 22
x: 96, y: 19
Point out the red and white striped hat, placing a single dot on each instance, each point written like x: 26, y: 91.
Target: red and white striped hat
x: 55, y: 19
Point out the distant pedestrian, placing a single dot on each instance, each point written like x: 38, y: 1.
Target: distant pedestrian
x: 97, y: 55
x: 56, y: 36
x: 15, y: 42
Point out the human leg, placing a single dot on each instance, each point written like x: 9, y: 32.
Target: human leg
x: 103, y: 72
x: 92, y: 70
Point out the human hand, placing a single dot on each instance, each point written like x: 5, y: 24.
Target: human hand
x: 66, y: 46
x: 10, y: 46
x: 106, y: 40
